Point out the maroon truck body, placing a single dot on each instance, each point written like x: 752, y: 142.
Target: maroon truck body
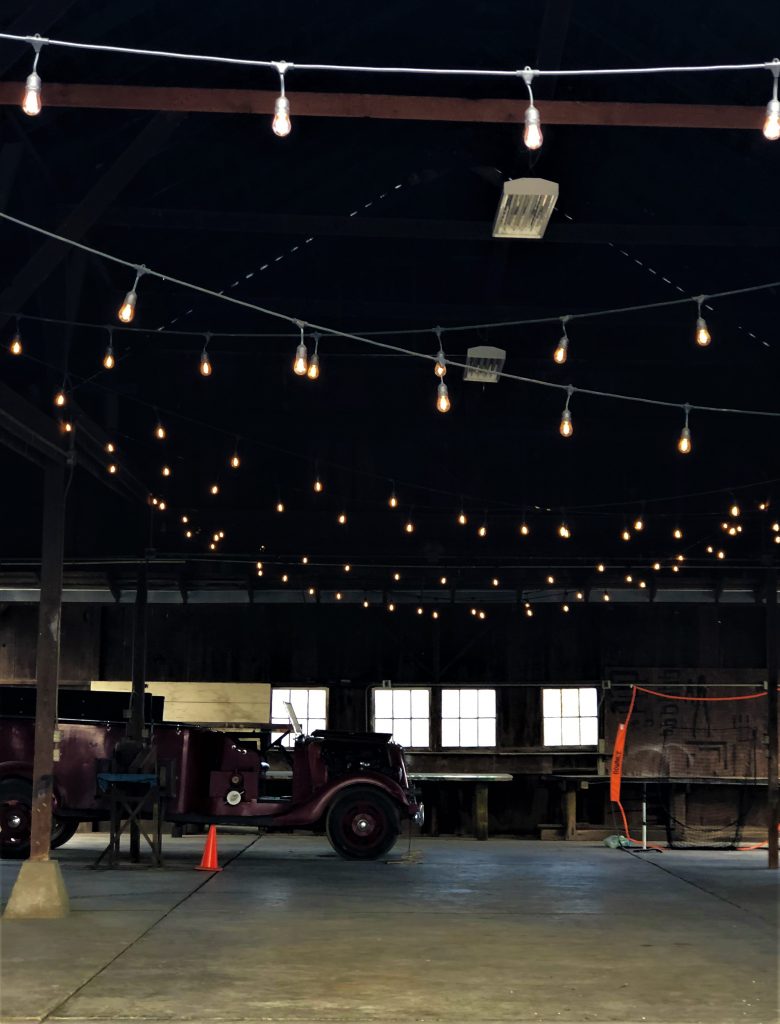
x: 354, y: 784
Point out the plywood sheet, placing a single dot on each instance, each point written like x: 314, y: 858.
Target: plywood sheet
x: 206, y: 703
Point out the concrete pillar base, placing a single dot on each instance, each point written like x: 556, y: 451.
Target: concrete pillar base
x: 39, y: 891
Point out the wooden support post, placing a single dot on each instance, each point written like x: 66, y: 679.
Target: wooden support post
x: 481, y: 810
x: 135, y: 729
x: 772, y: 681
x: 570, y: 813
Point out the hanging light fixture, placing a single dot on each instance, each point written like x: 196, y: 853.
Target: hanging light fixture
x: 235, y: 459
x: 443, y: 403
x: 319, y: 487
x: 281, y: 124
x: 564, y: 532
x: 772, y: 121
x: 109, y: 360
x: 440, y: 366
x: 61, y: 396
x: 15, y: 348
x: 562, y: 350
x: 159, y: 430
x: 301, y: 361
x: 313, y: 372
x: 532, y: 133
x: 685, y: 444
x: 342, y: 520
x: 205, y: 362
x: 567, y: 427
x: 525, y: 529
x: 392, y: 501
x: 32, y: 103
x: 127, y: 309
x: 639, y: 524
x: 703, y: 337
x: 462, y: 518
x: 677, y: 533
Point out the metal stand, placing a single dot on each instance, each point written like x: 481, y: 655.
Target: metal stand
x: 130, y: 794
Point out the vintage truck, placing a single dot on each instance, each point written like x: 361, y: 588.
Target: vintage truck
x: 352, y: 785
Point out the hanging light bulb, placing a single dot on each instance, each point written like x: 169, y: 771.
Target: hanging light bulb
x: 110, y: 447
x: 214, y: 489
x: 734, y: 510
x: 301, y: 361
x: 162, y: 506
x: 311, y: 592
x: 771, y: 127
x: 366, y: 604
x: 721, y: 554
x: 703, y: 337
x: 391, y: 607
x: 32, y: 103
x: 434, y: 614
x: 397, y: 577
x: 601, y: 567
x: 188, y: 534
x: 205, y: 363
x: 305, y: 560
x: 112, y: 468
x: 420, y: 610
x: 313, y: 371
x: 15, y: 348
x: 318, y: 486
x: 127, y: 309
x: 565, y: 607
x: 342, y: 518
x: 567, y: 427
x: 443, y: 581
x: 580, y: 595
x: 684, y: 445
x: 166, y: 471
x: 109, y: 360
x: 440, y: 366
x: 677, y: 533
x: 409, y: 526
x: 657, y: 566
x: 639, y: 523
x: 185, y: 519
x: 532, y: 134
x: 235, y: 461
x: 442, y: 398
x: 525, y: 529
x: 462, y: 518
x: 61, y: 397
x: 281, y: 124
x: 562, y: 351
x: 625, y: 535
x: 482, y: 531
x: 392, y: 501
x: 495, y: 581
x: 482, y: 615
x: 551, y: 580
x: 564, y: 531
x: 629, y: 578
x: 280, y: 506
x: 529, y: 612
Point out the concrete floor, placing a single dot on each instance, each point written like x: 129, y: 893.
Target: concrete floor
x: 460, y: 931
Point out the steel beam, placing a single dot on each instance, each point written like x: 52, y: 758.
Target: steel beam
x: 389, y: 108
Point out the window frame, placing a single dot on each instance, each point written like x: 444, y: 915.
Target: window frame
x: 304, y: 720
x: 394, y: 689
x: 475, y: 718
x: 561, y: 718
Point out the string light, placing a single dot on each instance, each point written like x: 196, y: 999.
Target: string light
x: 347, y: 567
x: 311, y: 592
x: 776, y: 527
x: 185, y: 519
x: 629, y: 578
x: 440, y: 366
x: 721, y: 554
x: 305, y: 560
x: 771, y: 127
x: 563, y: 531
x: 32, y: 103
x: 420, y: 610
x: 482, y: 531
x: 580, y: 595
x: 214, y: 489
x: 529, y: 612
x: 318, y: 486
x: 109, y: 360
x: 285, y: 578
x: 366, y: 603
x: 703, y: 337
x: 127, y: 309
x: 112, y: 468
x: 606, y: 596
x: 280, y: 506
x: 677, y: 533
x: 61, y: 397
x: 675, y: 568
x: 391, y: 607
x: 524, y: 529
x: 235, y: 460
x: 206, y: 368
x: 281, y: 124
x: 625, y: 534
x: 462, y: 518
x: 434, y: 614
x: 409, y: 526
x: 443, y: 403
x: 601, y: 567
x: 551, y: 580
x: 684, y: 445
x: 567, y: 427
x: 313, y: 372
x: 397, y: 576
x: 16, y: 348
x: 763, y: 506
x: 495, y: 581
x: 339, y: 595
x: 392, y: 501
x: 259, y: 566
x: 639, y: 524
x: 656, y: 566
x: 443, y: 581
x: 532, y: 133
x: 110, y: 447
x: 710, y: 549
x: 680, y: 558
x: 188, y: 534
x: 565, y: 607
x: 301, y: 361
x: 482, y: 615
x: 734, y: 510
x: 562, y: 350
x: 166, y: 471
x: 342, y: 519
x: 162, y: 506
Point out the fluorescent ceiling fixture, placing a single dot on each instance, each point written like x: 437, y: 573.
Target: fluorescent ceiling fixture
x: 525, y: 208
x: 484, y: 363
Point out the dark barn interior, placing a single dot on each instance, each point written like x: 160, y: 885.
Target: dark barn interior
x: 557, y: 592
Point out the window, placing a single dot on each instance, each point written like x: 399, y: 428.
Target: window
x: 309, y: 704
x: 570, y: 716
x: 468, y: 718
x: 406, y: 713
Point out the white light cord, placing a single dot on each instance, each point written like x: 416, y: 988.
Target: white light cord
x: 568, y: 388
x: 378, y: 70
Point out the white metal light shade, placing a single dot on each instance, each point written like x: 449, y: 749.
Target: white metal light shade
x: 525, y: 208
x: 484, y: 363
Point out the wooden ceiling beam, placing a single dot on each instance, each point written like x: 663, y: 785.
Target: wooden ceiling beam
x: 392, y: 108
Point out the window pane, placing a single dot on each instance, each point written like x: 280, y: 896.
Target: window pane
x: 570, y: 732
x: 552, y: 732
x: 450, y: 732
x: 450, y: 703
x: 589, y: 731
x: 420, y: 733
x: 570, y: 703
x: 300, y: 703
x: 468, y: 703
x: 316, y: 703
x: 468, y: 732
x: 402, y: 704
x: 487, y: 703
x: 278, y: 710
x: 316, y: 723
x: 383, y: 704
x: 421, y: 702
x: 402, y: 732
x: 383, y: 725
x: 588, y: 702
x: 551, y: 703
x: 486, y: 732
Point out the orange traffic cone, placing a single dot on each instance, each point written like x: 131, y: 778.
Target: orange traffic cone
x: 208, y: 861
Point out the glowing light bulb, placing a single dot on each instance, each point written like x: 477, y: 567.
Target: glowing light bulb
x: 285, y: 578
x: 347, y: 567
x: 15, y: 348
x: 771, y: 127
x: 474, y: 612
x: 567, y: 427
x: 391, y: 607
x: 281, y: 124
x: 396, y: 576
x: 580, y: 595
x: 185, y: 520
x: 166, y: 471
x: 601, y: 567
x: 420, y: 610
x: 495, y: 581
x: 482, y: 531
x: 734, y: 510
x: 703, y: 337
x: 440, y: 366
x: 434, y: 614
x: 710, y: 549
x: 392, y: 501
x: 563, y: 531
x: 524, y: 529
x: 366, y: 604
x: 532, y: 133
x: 629, y: 578
x: 462, y: 518
x: 625, y: 535
x: 159, y: 431
x: 562, y: 351
x: 112, y: 468
x: 127, y: 309
x: 214, y: 489
x: 32, y: 104
x: 732, y: 531
x: 221, y: 535
x: 606, y: 596
x: 656, y: 566
x: 564, y: 608
x: 684, y: 445
x: 680, y: 558
x: 109, y: 362
x: 529, y: 613
x: 311, y: 591
x: 301, y: 361
x: 318, y: 486
x: 162, y: 506
x: 409, y: 527
x: 763, y: 506
x: 677, y: 533
x: 305, y: 560
x: 776, y: 527
x: 443, y: 581
x: 188, y: 534
x: 259, y: 567
x: 675, y: 568
x: 551, y: 580
x: 721, y: 554
x: 482, y: 615
x: 235, y: 461
x: 442, y: 398
x: 280, y: 506
x: 205, y: 364
x: 60, y: 399
x: 642, y: 585
x: 110, y: 447
x: 313, y: 371
x: 639, y: 523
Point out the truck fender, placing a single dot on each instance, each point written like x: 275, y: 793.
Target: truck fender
x: 319, y: 804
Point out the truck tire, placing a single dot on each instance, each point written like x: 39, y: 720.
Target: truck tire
x: 362, y: 823
x: 16, y: 817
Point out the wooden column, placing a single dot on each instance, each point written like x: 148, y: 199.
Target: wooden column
x: 570, y: 813
x: 481, y: 810
x: 48, y: 658
x: 772, y: 681
x: 135, y: 728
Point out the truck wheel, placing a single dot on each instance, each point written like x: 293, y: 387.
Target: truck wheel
x: 16, y: 818
x: 362, y: 824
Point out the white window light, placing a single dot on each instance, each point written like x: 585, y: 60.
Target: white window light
x: 570, y: 716
x: 310, y: 705
x: 468, y: 717
x: 405, y: 713
x: 525, y: 208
